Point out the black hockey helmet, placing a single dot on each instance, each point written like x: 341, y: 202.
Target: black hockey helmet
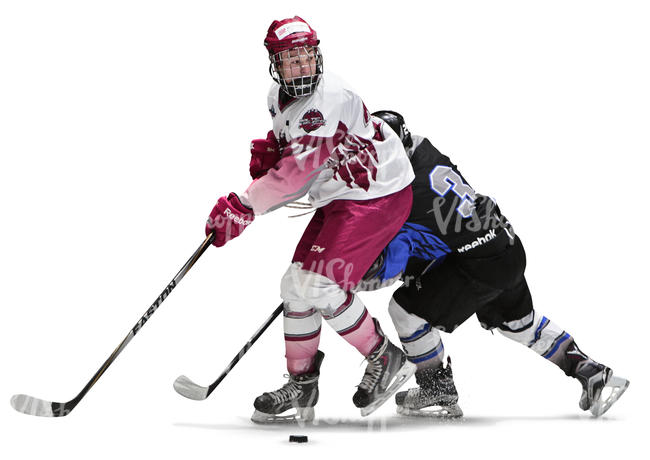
x: 396, y: 121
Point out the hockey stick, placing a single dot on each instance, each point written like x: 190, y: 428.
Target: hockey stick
x: 34, y: 406
x: 185, y: 387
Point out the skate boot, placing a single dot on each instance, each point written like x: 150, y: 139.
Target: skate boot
x: 387, y: 370
x: 600, y: 387
x: 436, y: 395
x: 300, y: 393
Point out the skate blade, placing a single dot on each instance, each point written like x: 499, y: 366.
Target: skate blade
x: 302, y: 415
x: 610, y: 393
x: 401, y: 377
x: 453, y: 411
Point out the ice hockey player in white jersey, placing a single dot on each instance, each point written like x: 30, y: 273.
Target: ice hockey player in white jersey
x: 458, y: 257
x: 324, y: 143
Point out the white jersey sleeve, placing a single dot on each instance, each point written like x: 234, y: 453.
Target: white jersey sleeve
x: 331, y: 149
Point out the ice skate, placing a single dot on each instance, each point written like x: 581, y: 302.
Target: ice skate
x: 600, y: 387
x: 436, y: 395
x: 387, y: 370
x: 297, y: 397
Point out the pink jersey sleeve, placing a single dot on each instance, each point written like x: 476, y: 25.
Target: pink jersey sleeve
x: 302, y: 161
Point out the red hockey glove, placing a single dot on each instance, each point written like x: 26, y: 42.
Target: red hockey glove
x: 265, y: 153
x: 228, y: 219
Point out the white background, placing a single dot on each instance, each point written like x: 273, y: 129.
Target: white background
x: 122, y: 122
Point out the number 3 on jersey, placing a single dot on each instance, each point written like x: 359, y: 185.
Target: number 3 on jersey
x: 443, y: 179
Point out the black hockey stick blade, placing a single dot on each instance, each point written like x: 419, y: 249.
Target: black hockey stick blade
x: 184, y: 386
x: 41, y: 408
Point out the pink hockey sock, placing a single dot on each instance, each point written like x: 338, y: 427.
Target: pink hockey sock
x: 365, y: 337
x: 300, y: 354
x: 353, y: 322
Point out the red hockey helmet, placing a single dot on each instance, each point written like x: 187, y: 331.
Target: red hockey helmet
x: 289, y: 33
x: 296, y: 62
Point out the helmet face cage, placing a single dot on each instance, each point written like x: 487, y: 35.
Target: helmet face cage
x: 298, y: 70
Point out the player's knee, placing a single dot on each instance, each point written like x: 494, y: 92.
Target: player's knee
x: 401, y: 319
x: 488, y: 321
x: 510, y: 313
x: 301, y: 290
x: 521, y: 330
x: 406, y: 324
x: 420, y: 341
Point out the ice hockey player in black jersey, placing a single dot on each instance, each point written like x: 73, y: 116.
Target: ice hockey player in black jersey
x: 457, y: 256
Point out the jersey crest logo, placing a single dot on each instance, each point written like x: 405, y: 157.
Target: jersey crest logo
x: 312, y: 120
x: 355, y: 162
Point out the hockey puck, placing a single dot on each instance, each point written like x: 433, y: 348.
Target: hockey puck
x: 295, y: 438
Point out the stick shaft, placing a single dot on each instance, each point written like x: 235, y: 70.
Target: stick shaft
x: 246, y: 347
x: 64, y: 409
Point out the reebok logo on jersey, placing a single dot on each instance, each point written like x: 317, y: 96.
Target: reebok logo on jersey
x: 489, y: 236
x: 312, y: 120
x: 317, y: 249
x: 237, y: 219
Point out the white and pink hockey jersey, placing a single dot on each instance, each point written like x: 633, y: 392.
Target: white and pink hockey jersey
x: 332, y: 149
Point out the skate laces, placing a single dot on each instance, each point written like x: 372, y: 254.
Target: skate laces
x: 371, y: 376
x: 289, y: 391
x: 374, y: 369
